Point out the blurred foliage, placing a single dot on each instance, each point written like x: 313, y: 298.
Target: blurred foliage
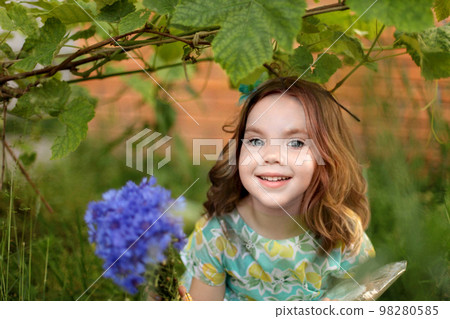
x: 409, y: 191
x: 59, y: 250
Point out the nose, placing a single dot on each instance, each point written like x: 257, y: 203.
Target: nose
x: 272, y: 153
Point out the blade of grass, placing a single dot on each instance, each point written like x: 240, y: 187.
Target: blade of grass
x: 45, y: 268
x: 9, y: 235
x: 29, y: 256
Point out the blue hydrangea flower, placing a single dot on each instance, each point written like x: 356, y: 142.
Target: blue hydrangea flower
x: 131, y: 228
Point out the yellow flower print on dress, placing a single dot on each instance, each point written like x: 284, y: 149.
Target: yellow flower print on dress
x: 273, y: 248
x: 256, y: 271
x: 198, y: 229
x: 211, y: 273
x: 315, y: 279
x: 299, y: 272
x: 225, y: 245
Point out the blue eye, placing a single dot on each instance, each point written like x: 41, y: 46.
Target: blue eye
x: 256, y: 142
x: 296, y: 143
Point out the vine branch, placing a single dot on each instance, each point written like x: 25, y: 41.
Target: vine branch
x: 364, y: 60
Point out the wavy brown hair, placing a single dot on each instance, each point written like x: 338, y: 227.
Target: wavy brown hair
x: 334, y: 206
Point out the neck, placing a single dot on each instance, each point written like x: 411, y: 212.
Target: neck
x: 272, y: 223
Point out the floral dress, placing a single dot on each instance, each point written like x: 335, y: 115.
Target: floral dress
x: 227, y: 251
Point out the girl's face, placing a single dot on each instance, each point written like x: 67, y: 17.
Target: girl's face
x: 274, y: 165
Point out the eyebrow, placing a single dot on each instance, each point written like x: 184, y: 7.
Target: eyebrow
x: 286, y: 132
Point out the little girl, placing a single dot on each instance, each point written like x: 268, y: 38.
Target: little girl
x: 287, y: 209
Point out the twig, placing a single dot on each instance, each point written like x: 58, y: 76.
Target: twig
x: 325, y: 9
x: 98, y: 77
x: 27, y: 176
x: 364, y: 60
x: 3, y: 139
x: 68, y: 63
x: 271, y: 70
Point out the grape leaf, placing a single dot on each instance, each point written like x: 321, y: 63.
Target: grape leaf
x: 79, y: 112
x: 84, y: 34
x: 408, y: 16
x: 49, y: 98
x: 7, y: 50
x: 429, y: 49
x: 133, y: 21
x: 442, y: 9
x: 70, y: 13
x: 23, y: 22
x: 326, y: 65
x: 5, y: 22
x: 301, y: 60
x: 243, y: 44
x: 102, y: 3
x: 247, y: 28
x: 47, y: 45
x: 161, y: 6
x: 342, y: 20
x: 319, y: 36
x: 116, y: 11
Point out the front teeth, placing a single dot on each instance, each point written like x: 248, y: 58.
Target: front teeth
x: 274, y: 179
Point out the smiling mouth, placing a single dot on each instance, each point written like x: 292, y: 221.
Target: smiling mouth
x: 274, y: 178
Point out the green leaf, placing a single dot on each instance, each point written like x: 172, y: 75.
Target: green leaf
x: 442, y: 9
x: 170, y: 53
x: 6, y: 49
x: 204, y: 13
x: 25, y: 23
x: 165, y: 116
x: 47, y: 45
x: 336, y: 41
x: 84, y: 34
x: 79, y: 112
x: 44, y: 4
x: 5, y: 22
x: 102, y: 3
x: 408, y: 16
x: 78, y: 91
x: 27, y: 158
x: 243, y: 44
x: 70, y: 13
x: 116, y: 11
x: 429, y: 49
x: 301, y: 60
x: 247, y: 28
x: 325, y: 67
x: 342, y: 20
x: 161, y: 6
x: 49, y: 98
x: 285, y: 20
x: 133, y: 21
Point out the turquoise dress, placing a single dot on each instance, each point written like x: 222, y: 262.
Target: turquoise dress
x: 226, y: 251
